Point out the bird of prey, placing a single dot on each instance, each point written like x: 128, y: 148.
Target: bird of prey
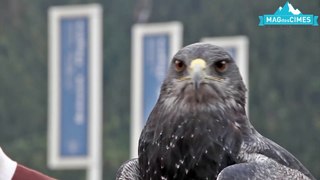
x: 199, y: 129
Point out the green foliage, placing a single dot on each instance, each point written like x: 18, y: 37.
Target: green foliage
x: 284, y: 75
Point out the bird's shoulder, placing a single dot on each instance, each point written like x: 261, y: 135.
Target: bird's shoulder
x: 259, y: 147
x: 129, y: 170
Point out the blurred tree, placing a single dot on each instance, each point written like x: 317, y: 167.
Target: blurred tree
x: 284, y: 75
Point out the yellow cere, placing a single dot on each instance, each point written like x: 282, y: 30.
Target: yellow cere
x: 200, y: 62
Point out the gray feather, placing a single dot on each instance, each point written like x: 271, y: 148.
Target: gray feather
x: 129, y: 170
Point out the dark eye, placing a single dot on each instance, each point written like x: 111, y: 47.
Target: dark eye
x: 221, y: 66
x: 179, y: 65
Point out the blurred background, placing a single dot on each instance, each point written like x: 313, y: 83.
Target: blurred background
x: 284, y: 73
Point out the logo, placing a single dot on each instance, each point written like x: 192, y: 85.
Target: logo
x: 288, y: 15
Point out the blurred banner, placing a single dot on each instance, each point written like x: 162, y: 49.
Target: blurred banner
x: 153, y: 46
x: 75, y: 88
x: 238, y: 47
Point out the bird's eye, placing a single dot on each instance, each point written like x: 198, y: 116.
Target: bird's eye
x: 221, y: 66
x: 179, y: 65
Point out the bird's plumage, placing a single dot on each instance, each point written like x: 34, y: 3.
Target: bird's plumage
x: 129, y: 170
x: 198, y: 128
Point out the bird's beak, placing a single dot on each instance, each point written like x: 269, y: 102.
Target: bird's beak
x: 197, y: 71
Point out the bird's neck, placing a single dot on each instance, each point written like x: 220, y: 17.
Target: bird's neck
x: 216, y: 117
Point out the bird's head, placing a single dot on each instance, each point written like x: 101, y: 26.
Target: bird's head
x: 203, y: 73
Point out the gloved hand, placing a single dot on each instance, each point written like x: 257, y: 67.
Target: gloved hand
x: 7, y: 166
